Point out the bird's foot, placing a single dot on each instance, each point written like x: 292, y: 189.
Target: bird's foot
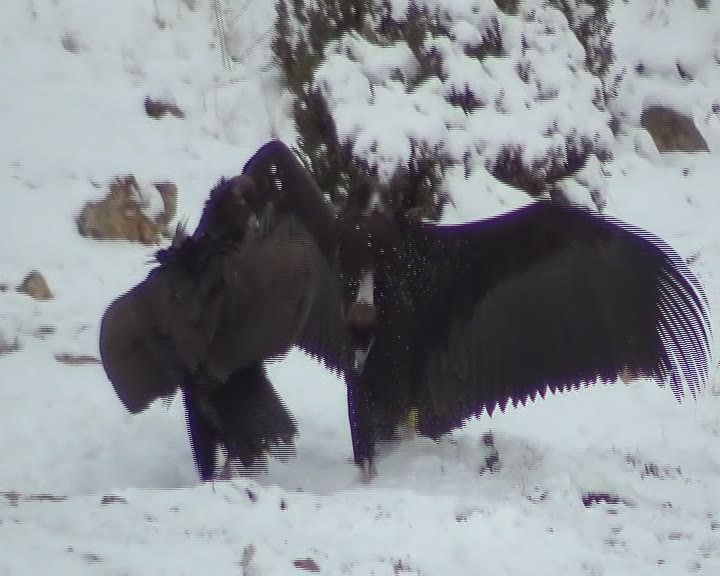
x: 226, y: 473
x: 368, y: 471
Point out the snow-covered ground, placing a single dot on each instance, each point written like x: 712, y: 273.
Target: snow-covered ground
x: 87, y: 489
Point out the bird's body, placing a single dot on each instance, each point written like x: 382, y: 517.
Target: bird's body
x: 461, y: 318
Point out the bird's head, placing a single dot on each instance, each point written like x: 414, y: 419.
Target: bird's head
x: 365, y: 241
x: 232, y: 207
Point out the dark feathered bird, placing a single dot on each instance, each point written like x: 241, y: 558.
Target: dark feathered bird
x: 477, y: 315
x: 545, y: 297
x: 249, y: 283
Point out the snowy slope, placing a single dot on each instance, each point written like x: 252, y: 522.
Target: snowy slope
x: 73, y: 120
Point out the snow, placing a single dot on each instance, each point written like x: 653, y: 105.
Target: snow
x: 86, y: 488
x: 534, y: 112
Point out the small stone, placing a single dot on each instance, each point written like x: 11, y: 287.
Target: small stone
x: 672, y: 131
x: 43, y: 331
x: 35, y: 286
x: 76, y: 360
x: 121, y: 214
x: 112, y: 499
x: 7, y: 347
x: 158, y: 108
x: 70, y: 44
x: 307, y: 564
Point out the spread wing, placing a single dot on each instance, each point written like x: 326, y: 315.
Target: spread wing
x: 281, y: 178
x: 545, y: 296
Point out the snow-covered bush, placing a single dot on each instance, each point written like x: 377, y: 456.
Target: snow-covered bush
x: 592, y: 27
x: 392, y: 93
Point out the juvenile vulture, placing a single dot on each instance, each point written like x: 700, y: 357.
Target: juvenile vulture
x: 457, y: 319
x: 250, y: 282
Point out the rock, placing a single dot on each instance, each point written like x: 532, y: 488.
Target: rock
x: 248, y: 555
x: 672, y: 131
x: 43, y: 331
x: 307, y: 564
x: 76, y: 360
x: 35, y: 286
x: 159, y: 108
x: 70, y: 44
x: 121, y: 214
x: 7, y: 347
x: 112, y: 499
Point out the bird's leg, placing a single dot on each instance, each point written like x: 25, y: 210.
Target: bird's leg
x: 226, y: 472
x: 368, y: 471
x: 361, y: 318
x: 202, y: 431
x: 208, y: 410
x: 361, y: 429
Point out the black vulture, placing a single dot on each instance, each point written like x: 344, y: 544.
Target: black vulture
x: 254, y: 279
x: 457, y: 319
x: 473, y: 316
x: 548, y: 296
